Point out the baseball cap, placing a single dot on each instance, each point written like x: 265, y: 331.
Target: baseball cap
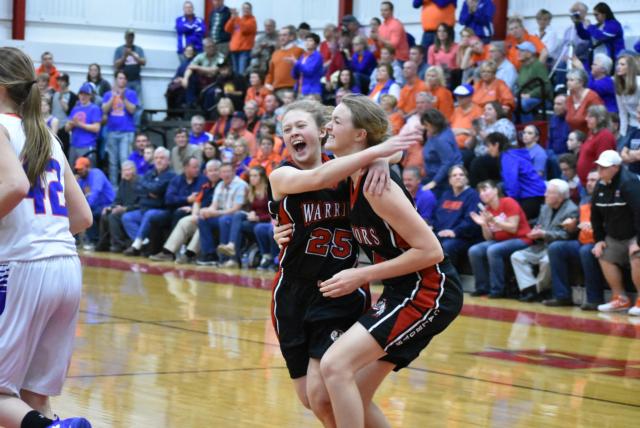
x: 129, y: 31
x: 609, y: 158
x: 82, y: 162
x: 350, y: 18
x: 527, y: 47
x: 463, y: 90
x: 87, y: 88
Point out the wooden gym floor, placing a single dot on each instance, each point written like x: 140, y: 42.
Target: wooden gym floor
x: 164, y: 346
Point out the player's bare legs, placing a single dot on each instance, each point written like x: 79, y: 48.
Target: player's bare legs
x: 37, y: 401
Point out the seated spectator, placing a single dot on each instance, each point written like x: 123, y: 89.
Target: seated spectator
x: 210, y: 151
x: 505, y: 71
x: 340, y: 58
x: 563, y: 254
x: 51, y: 121
x: 288, y: 96
x: 227, y: 84
x: 424, y: 199
x: 505, y: 229
x: 567, y: 164
x: 548, y: 36
x: 112, y: 235
x: 182, y: 150
x: 362, y: 63
x: 205, y: 67
x: 478, y: 15
x: 152, y: 208
x: 606, y: 35
x: 436, y: 86
x: 387, y: 56
x: 473, y: 57
x: 488, y: 88
x: 373, y: 41
x: 396, y: 118
x: 253, y: 118
x: 631, y: 151
x: 452, y: 220
x: 137, y: 156
x: 182, y: 192
x: 279, y: 76
x: 627, y: 94
x: 185, y: 232
x: 176, y: 94
x: 549, y: 228
x: 234, y: 227
x: 531, y: 139
x: 308, y: 70
x: 226, y: 149
x: 46, y: 91
x: 579, y: 99
x: 412, y: 86
x: 385, y: 84
x: 264, y: 46
x: 347, y: 81
x: 516, y: 34
x: 440, y: 151
x: 575, y: 140
x: 531, y: 68
x: 84, y: 125
x: 241, y: 157
x: 266, y: 158
x: 464, y: 45
x: 228, y: 198
x: 417, y: 56
x: 47, y: 66
x: 270, y: 107
x: 243, y: 31
x: 190, y: 30
x: 340, y: 94
x: 197, y: 135
x: 444, y: 50
x: 520, y: 181
x: 558, y: 126
x: 615, y: 218
x: 256, y: 91
x: 599, y: 139
x: 220, y: 128
x: 99, y: 193
x: 463, y: 116
x: 600, y: 80
x: 413, y: 125
x: 239, y: 130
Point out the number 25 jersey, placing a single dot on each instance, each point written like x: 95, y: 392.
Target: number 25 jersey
x: 38, y: 227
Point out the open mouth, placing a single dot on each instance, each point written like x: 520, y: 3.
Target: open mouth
x: 299, y: 145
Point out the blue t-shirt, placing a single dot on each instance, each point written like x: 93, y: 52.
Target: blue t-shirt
x: 200, y: 139
x: 142, y: 166
x: 119, y: 118
x: 633, y: 143
x: 88, y: 114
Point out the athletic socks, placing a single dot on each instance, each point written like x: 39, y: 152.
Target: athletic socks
x: 35, y: 419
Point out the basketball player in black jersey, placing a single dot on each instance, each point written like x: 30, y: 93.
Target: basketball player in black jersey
x: 321, y: 245
x: 422, y: 293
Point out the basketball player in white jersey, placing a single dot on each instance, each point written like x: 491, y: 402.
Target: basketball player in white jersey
x: 41, y: 206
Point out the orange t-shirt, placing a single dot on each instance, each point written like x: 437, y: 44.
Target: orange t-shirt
x: 494, y: 91
x: 407, y: 101
x: 397, y: 121
x: 393, y: 31
x: 269, y: 163
x: 243, y: 33
x: 279, y: 74
x: 512, y: 51
x: 53, y: 76
x: 462, y: 119
x: 444, y: 100
x: 432, y: 15
x: 258, y: 96
x: 479, y: 57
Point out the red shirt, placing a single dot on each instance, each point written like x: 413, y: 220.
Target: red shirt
x: 508, y: 208
x: 590, y: 151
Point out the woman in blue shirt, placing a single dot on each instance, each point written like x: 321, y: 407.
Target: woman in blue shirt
x: 606, y: 35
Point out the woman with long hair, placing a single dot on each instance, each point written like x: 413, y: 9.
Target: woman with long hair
x: 627, y: 94
x: 436, y: 86
x: 94, y: 76
x: 599, y: 139
x: 440, y: 151
x: 385, y: 84
x: 606, y: 35
x: 444, y: 50
x: 41, y: 206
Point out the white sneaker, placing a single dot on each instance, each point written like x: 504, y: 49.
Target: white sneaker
x: 635, y: 310
x: 617, y: 304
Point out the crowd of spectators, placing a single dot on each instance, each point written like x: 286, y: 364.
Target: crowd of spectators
x: 507, y: 189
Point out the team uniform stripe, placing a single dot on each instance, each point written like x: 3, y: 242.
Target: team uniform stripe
x: 277, y: 282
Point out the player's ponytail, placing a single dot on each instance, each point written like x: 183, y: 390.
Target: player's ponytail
x: 17, y: 75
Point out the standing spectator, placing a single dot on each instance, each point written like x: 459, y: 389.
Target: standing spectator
x: 62, y: 103
x: 98, y: 191
x: 631, y: 150
x: 564, y: 254
x: 547, y: 35
x: 531, y: 68
x: 505, y: 71
x: 444, y: 50
x: 130, y: 59
x: 436, y: 84
x: 615, y: 218
x: 452, y: 218
x: 600, y: 80
x: 373, y: 41
x: 190, y: 30
x: 218, y: 18
x: 558, y: 126
x: 263, y: 48
x: 489, y: 88
x: 627, y: 93
x: 478, y: 15
x: 100, y: 85
x: 112, y: 235
x: 433, y: 13
x: 182, y: 151
x: 198, y: 135
x: 243, y: 31
x: 137, y: 156
x: 531, y: 139
x: 84, y: 125
x: 301, y: 34
x: 351, y: 27
x: 579, y: 99
x: 363, y: 62
x: 505, y: 229
x: 279, y: 77
x: 599, y: 139
x: 308, y: 68
x: 549, y: 228
x: 424, y: 199
x: 391, y: 32
x: 385, y: 84
x: 462, y: 119
x: 440, y: 151
x: 48, y: 67
x: 329, y: 44
x: 606, y: 36
x: 152, y: 208
x: 51, y: 121
x: 119, y: 105
x: 413, y: 85
x: 516, y: 34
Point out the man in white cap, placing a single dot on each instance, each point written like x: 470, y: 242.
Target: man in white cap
x: 615, y: 219
x: 530, y: 68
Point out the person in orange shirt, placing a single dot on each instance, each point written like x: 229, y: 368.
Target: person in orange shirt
x: 243, y: 31
x: 412, y: 85
x: 391, y: 32
x: 413, y: 125
x: 257, y: 91
x: 221, y: 126
x: 434, y: 12
x: 489, y: 88
x: 238, y: 129
x: 396, y: 118
x: 279, y: 77
x: 266, y: 157
x: 47, y: 67
x: 436, y: 87
x: 463, y: 116
x: 472, y: 57
x: 517, y: 34
x: 253, y: 118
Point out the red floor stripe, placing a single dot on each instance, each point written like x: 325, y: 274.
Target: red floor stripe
x: 561, y: 322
